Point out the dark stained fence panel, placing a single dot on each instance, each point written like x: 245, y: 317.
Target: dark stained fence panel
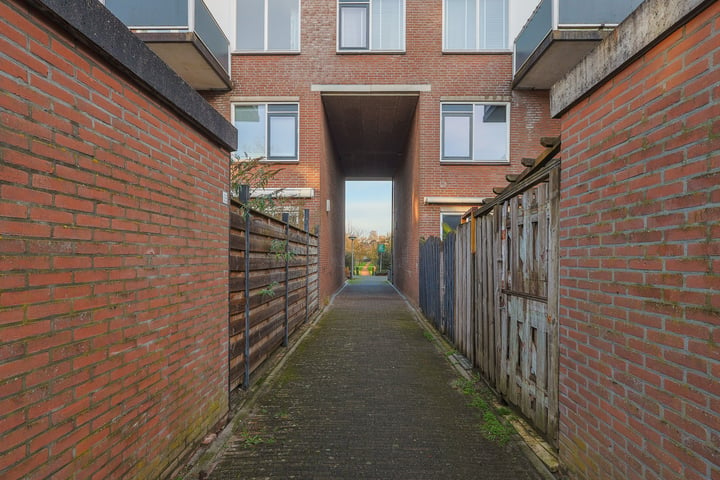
x: 269, y: 284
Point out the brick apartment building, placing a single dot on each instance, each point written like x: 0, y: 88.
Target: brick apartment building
x: 417, y: 92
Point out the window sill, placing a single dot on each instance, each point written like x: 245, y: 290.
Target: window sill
x: 264, y: 52
x: 272, y: 160
x: 477, y: 52
x: 474, y: 162
x: 370, y: 52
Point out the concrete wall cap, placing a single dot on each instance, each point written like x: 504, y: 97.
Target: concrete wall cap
x: 89, y: 22
x: 651, y: 22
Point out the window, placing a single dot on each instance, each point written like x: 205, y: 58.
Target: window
x: 268, y: 130
x: 449, y: 223
x: 475, y: 25
x: 474, y: 132
x: 268, y: 25
x: 371, y: 25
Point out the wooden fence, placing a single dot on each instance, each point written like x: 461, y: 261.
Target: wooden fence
x: 505, y: 285
x: 437, y: 282
x: 273, y: 286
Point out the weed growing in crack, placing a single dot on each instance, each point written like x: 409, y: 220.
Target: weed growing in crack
x: 492, y: 428
x: 252, y: 439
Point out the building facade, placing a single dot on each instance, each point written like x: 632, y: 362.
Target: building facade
x: 417, y: 92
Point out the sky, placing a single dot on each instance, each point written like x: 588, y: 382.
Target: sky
x: 368, y: 207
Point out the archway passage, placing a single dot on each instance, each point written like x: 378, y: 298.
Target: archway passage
x: 370, y: 132
x: 372, y: 136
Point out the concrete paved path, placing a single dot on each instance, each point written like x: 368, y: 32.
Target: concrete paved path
x: 367, y: 395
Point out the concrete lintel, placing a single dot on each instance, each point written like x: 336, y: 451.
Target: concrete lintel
x: 265, y: 98
x: 378, y: 88
x: 89, y: 22
x: 477, y: 98
x: 454, y: 200
x: 651, y: 22
x: 283, y: 192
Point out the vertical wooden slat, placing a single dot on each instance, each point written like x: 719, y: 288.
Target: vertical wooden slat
x: 490, y: 295
x: 542, y: 241
x: 515, y: 267
x: 502, y: 309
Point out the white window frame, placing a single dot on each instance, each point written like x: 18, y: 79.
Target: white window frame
x: 265, y: 49
x: 268, y: 115
x: 370, y: 48
x: 458, y: 212
x: 506, y: 28
x: 470, y: 159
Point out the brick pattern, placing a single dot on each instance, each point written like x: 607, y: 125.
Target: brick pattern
x: 113, y: 267
x: 481, y: 75
x: 640, y: 263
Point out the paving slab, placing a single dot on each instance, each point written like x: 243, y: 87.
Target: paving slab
x: 367, y: 395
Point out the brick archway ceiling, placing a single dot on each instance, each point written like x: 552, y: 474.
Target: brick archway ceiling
x: 370, y: 131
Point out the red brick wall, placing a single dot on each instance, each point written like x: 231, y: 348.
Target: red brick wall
x: 423, y: 63
x: 405, y: 221
x: 640, y: 256
x: 332, y: 222
x: 113, y: 267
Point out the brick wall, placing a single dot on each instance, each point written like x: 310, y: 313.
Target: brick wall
x: 113, y: 264
x: 332, y: 222
x: 486, y: 76
x: 405, y: 258
x: 640, y: 263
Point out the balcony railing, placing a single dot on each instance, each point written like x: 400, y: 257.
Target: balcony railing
x: 582, y: 22
x: 174, y: 22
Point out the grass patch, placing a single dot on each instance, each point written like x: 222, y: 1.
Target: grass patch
x: 253, y: 439
x: 493, y: 426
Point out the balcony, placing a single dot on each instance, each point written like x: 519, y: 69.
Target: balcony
x: 559, y: 34
x: 184, y: 34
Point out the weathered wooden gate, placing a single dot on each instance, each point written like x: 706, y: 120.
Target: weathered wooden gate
x: 506, y: 283
x: 518, y: 261
x: 528, y: 333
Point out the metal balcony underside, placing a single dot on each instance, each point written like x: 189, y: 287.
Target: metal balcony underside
x: 559, y: 34
x: 185, y: 53
x: 556, y: 55
x: 184, y: 34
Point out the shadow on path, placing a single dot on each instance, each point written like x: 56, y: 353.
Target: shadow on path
x: 367, y: 395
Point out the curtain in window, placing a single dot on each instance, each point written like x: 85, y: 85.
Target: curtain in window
x: 282, y: 133
x: 456, y: 137
x: 460, y: 24
x: 475, y: 24
x: 493, y: 29
x: 354, y: 26
x: 250, y: 25
x: 387, y: 24
x: 283, y: 25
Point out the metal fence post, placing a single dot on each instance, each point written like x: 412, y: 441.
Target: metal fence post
x: 286, y: 219
x: 307, y: 262
x: 245, y: 199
